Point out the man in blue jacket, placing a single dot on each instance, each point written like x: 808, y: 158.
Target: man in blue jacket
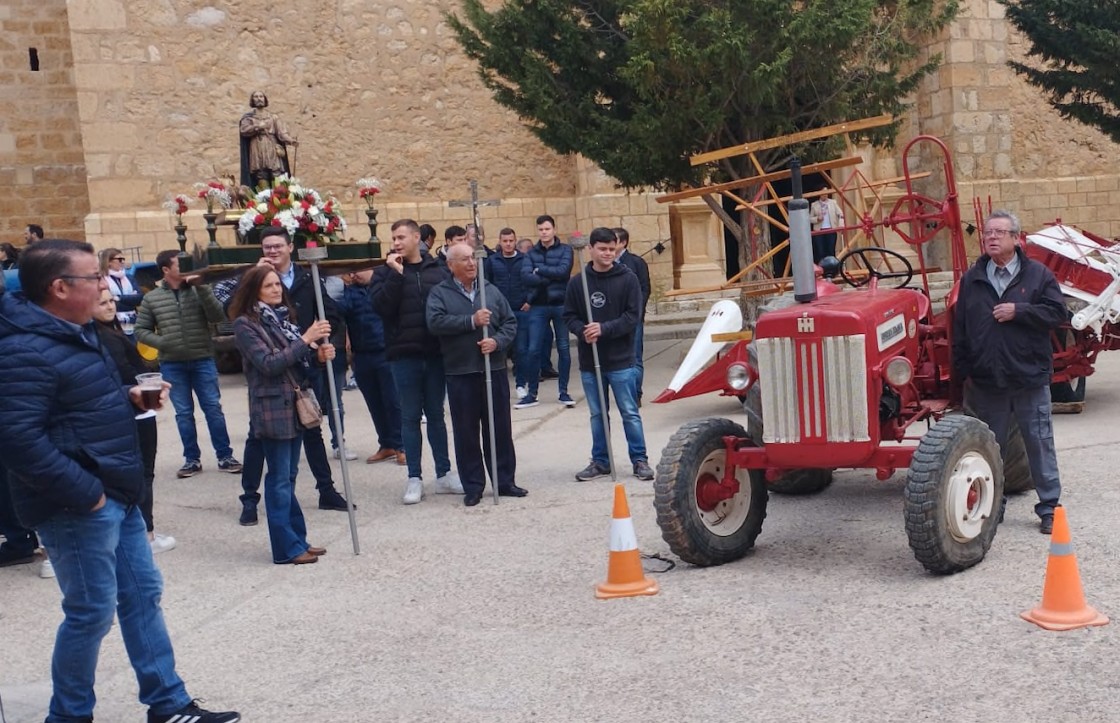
x: 609, y: 324
x: 547, y: 275
x: 1006, y: 307
x: 68, y: 436
x: 505, y: 273
x: 371, y: 365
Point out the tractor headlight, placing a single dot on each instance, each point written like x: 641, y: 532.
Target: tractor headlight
x: 738, y: 376
x: 899, y: 371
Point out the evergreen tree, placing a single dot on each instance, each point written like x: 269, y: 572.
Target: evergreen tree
x: 638, y: 86
x: 1078, y: 43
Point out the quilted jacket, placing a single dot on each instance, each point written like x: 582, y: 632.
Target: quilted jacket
x: 67, y: 432
x: 178, y: 324
x: 547, y: 273
x: 269, y: 360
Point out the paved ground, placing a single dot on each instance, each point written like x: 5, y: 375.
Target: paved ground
x: 487, y: 614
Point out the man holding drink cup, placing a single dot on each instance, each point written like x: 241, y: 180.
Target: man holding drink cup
x: 68, y: 436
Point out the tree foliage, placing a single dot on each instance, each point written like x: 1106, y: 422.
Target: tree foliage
x: 1078, y: 43
x: 638, y: 86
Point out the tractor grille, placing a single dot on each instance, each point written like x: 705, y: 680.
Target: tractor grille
x: 813, y: 390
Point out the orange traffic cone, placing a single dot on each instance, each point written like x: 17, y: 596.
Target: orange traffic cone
x: 1063, y: 602
x: 625, y: 577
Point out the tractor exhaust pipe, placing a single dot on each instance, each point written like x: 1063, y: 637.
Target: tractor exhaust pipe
x: 801, y: 241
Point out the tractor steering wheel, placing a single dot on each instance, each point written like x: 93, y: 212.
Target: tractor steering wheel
x: 872, y: 272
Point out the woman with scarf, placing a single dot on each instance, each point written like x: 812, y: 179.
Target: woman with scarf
x: 275, y: 357
x: 124, y: 292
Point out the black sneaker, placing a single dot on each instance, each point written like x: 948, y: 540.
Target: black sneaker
x: 248, y: 515
x: 528, y: 401
x: 549, y: 374
x: 189, y: 469
x: 229, y: 464
x: 193, y: 714
x: 593, y: 471
x: 330, y: 499
x: 642, y: 470
x: 10, y: 556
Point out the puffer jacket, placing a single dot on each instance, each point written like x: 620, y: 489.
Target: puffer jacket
x: 505, y: 273
x: 363, y: 323
x: 67, y: 428
x: 401, y: 300
x: 547, y: 273
x: 178, y: 324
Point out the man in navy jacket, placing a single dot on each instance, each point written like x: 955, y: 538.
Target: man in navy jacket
x: 1006, y: 307
x: 505, y: 272
x: 547, y: 275
x: 68, y: 436
x: 609, y: 324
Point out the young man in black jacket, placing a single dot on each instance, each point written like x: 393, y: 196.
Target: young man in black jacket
x: 401, y: 289
x: 1005, y: 310
x: 547, y: 275
x: 641, y: 269
x: 609, y: 324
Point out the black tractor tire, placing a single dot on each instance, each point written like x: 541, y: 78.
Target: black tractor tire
x: 1016, y: 467
x: 693, y: 535
x: 947, y: 529
x: 1071, y: 391
x: 794, y: 482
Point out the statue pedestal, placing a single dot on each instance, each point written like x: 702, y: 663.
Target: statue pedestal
x: 697, y: 245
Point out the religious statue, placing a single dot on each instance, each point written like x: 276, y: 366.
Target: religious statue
x: 264, y: 144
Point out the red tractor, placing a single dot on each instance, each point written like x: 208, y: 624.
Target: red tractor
x: 860, y: 379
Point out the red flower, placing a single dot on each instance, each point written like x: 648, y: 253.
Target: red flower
x: 258, y: 219
x: 313, y: 227
x: 275, y: 222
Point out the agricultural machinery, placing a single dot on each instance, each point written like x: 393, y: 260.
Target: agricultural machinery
x: 862, y: 378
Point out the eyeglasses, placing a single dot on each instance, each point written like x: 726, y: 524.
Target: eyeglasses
x: 119, y: 258
x: 273, y: 247
x: 1000, y: 232
x: 71, y: 277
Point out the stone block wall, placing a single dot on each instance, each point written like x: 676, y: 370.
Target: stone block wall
x: 42, y: 168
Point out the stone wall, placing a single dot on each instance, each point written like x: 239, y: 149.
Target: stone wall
x: 42, y: 170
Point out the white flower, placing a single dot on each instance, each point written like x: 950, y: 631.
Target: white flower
x: 245, y: 223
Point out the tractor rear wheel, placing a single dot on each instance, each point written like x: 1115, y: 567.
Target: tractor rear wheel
x: 1073, y: 390
x: 953, y: 494
x: 699, y: 527
x: 1016, y: 467
x: 795, y: 482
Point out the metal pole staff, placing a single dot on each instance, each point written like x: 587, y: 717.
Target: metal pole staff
x: 314, y: 255
x: 479, y: 255
x: 579, y: 243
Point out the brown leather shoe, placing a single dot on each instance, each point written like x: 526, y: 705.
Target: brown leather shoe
x: 317, y: 551
x: 401, y: 458
x: 304, y: 558
x: 381, y: 455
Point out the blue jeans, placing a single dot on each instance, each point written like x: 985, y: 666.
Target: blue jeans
x: 540, y: 318
x: 201, y: 377
x: 639, y: 352
x: 523, y: 361
x: 375, y: 380
x: 103, y: 563
x: 421, y: 388
x: 620, y: 382
x: 287, y: 530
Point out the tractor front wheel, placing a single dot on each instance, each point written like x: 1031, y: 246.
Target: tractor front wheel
x: 953, y: 494
x: 700, y: 526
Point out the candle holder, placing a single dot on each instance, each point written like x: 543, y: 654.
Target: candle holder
x: 211, y: 228
x: 181, y: 236
x: 371, y: 214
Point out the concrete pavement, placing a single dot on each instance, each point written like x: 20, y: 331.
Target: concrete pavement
x: 488, y: 614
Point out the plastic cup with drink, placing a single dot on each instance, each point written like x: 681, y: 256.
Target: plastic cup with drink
x: 151, y: 387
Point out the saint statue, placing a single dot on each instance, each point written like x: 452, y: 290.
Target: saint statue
x: 264, y: 144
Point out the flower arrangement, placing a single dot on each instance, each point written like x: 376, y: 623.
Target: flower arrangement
x: 178, y: 206
x: 214, y: 192
x: 302, y: 211
x: 368, y: 188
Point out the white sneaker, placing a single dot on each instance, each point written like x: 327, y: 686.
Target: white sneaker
x: 46, y: 570
x: 522, y: 392
x: 162, y: 543
x: 449, y: 484
x: 350, y: 454
x: 413, y: 491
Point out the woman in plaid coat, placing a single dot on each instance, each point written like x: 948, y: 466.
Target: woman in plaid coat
x: 275, y: 356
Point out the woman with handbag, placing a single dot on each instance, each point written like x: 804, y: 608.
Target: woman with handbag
x: 275, y: 358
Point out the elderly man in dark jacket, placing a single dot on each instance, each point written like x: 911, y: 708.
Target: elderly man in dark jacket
x: 455, y: 314
x: 400, y: 295
x: 1006, y: 307
x: 68, y: 436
